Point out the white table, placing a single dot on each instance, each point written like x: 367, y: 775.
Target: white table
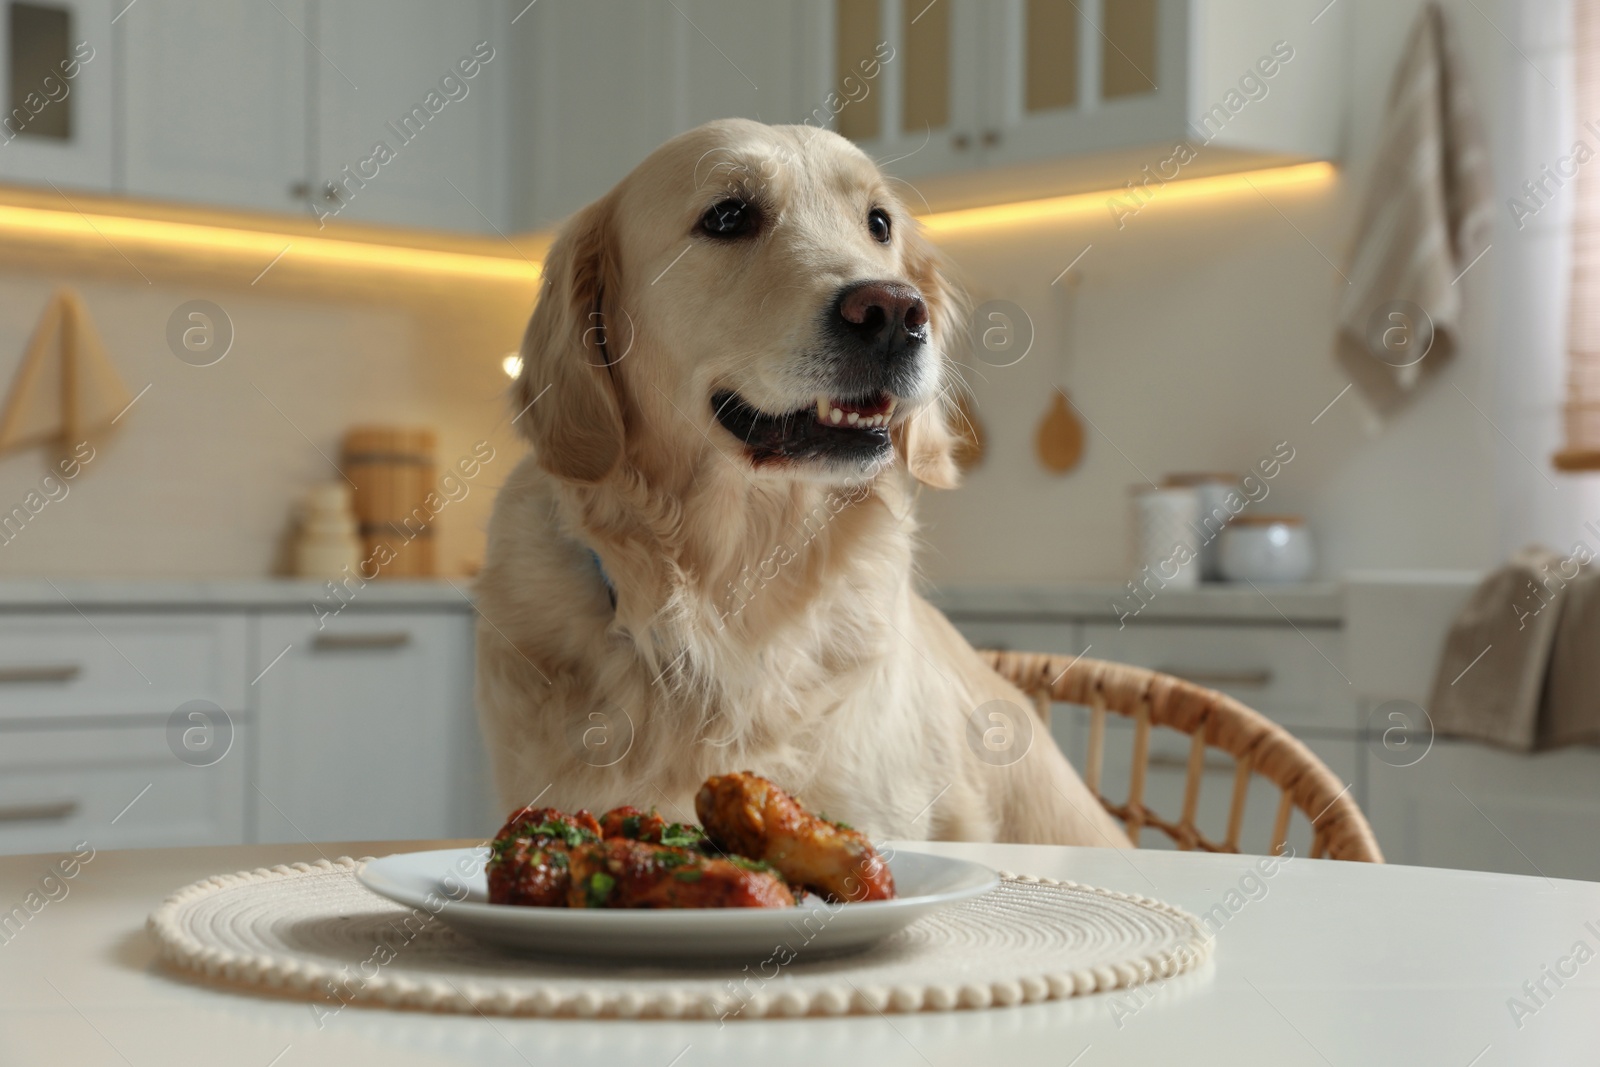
x: 1330, y: 963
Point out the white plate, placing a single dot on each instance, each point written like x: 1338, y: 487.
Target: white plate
x: 455, y: 878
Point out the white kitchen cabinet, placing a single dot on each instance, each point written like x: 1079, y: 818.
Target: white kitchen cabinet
x: 118, y: 787
x: 57, y: 73
x: 410, y: 106
x: 366, y: 728
x: 1271, y: 667
x: 1290, y: 675
x: 62, y: 667
x: 1019, y: 98
x: 214, y: 107
x: 1466, y: 805
x: 580, y: 129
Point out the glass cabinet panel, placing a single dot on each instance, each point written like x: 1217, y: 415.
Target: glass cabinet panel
x: 926, y: 34
x: 1050, y: 36
x: 38, y: 100
x: 1128, y: 48
x: 858, y: 30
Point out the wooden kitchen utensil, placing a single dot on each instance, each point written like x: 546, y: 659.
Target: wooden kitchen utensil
x: 1059, y: 440
x: 392, y: 468
x: 66, y: 386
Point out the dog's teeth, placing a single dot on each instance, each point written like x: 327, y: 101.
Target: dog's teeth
x: 838, y: 416
x: 889, y: 410
x: 853, y: 418
x: 822, y: 408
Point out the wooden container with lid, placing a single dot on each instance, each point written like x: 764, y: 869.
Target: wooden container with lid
x: 393, y: 470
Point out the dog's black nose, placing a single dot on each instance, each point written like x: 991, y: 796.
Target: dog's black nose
x: 886, y: 316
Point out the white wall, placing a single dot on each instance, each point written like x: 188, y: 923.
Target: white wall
x: 198, y: 478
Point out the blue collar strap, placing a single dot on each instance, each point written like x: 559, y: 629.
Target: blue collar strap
x: 611, y: 590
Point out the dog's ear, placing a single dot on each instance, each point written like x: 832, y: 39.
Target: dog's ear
x: 924, y: 440
x: 566, y: 390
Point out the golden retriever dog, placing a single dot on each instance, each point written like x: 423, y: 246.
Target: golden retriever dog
x: 735, y: 378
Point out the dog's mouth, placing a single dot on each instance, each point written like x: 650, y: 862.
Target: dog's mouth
x: 833, y: 429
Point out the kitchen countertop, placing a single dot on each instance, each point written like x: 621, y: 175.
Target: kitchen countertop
x: 1313, y: 603
x: 1317, y: 603
x: 100, y: 594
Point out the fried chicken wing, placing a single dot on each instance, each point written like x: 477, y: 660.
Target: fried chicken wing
x: 635, y: 825
x: 530, y: 859
x: 747, y: 815
x: 622, y: 873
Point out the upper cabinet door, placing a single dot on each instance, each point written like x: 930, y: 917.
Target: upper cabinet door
x: 410, y: 113
x: 602, y: 85
x: 57, y: 64
x: 903, y: 79
x: 1076, y: 76
x: 214, y: 107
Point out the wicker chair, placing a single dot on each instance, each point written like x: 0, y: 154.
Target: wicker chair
x: 1257, y: 745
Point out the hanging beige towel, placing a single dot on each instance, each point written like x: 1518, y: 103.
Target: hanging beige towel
x: 65, y: 387
x: 1423, y: 222
x: 1519, y: 667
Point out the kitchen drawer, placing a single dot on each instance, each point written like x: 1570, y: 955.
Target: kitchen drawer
x: 368, y: 729
x: 62, y: 786
x: 1277, y: 670
x: 61, y: 664
x: 1168, y: 771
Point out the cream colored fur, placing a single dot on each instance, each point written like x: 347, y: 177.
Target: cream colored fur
x: 766, y: 618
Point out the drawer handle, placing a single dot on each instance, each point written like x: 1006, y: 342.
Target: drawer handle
x: 44, y: 672
x: 1233, y: 679
x: 46, y: 812
x: 361, y: 642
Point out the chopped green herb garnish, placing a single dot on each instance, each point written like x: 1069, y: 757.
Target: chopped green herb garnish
x: 566, y: 832
x: 681, y: 835
x: 749, y: 864
x: 630, y: 826
x: 670, y: 860
x: 692, y: 874
x: 836, y: 823
x: 600, y: 886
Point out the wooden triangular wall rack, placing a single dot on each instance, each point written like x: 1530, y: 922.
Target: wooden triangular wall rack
x: 66, y: 386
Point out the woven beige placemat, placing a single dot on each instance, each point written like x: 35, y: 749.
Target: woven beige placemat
x: 311, y: 930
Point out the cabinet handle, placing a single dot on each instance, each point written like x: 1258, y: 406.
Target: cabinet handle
x: 961, y: 142
x: 44, y: 812
x: 361, y: 642
x: 1236, y: 679
x: 991, y: 138
x: 44, y: 672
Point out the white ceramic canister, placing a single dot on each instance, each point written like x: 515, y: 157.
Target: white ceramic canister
x: 1267, y: 548
x: 1166, y: 545
x: 328, y: 546
x: 1213, y: 489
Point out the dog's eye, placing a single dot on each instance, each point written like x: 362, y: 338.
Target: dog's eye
x: 729, y: 218
x: 878, y: 225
